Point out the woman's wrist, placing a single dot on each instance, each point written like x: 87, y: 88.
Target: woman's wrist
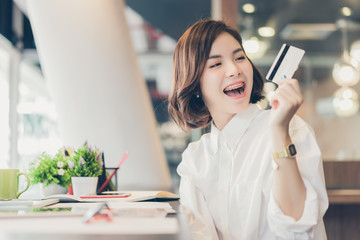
x: 280, y: 137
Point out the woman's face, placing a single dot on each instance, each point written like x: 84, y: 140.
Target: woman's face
x: 227, y: 79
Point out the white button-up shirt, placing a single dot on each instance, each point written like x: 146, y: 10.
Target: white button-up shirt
x: 227, y: 179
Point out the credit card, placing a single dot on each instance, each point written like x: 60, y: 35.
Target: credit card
x: 285, y: 64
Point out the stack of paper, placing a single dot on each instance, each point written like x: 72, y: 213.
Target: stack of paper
x: 21, y: 204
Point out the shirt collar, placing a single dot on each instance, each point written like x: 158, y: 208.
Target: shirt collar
x: 234, y: 129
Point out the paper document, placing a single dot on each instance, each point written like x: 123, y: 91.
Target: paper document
x: 120, y: 205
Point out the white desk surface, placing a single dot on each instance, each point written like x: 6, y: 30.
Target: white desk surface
x: 174, y: 226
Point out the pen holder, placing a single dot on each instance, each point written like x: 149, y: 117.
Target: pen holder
x: 112, y: 184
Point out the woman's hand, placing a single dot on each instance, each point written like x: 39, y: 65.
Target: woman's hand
x: 285, y: 102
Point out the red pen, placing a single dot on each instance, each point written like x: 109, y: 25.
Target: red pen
x: 119, y: 195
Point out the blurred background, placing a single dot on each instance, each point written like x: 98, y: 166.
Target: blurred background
x: 328, y: 31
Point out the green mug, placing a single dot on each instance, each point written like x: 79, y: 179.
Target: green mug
x: 9, y: 183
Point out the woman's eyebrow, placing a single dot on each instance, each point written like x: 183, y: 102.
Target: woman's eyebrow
x: 214, y: 56
x: 237, y: 50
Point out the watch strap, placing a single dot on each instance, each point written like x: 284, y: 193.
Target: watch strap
x: 288, y: 152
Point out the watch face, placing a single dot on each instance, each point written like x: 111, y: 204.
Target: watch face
x: 292, y: 149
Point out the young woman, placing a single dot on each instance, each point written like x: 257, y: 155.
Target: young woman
x: 244, y: 179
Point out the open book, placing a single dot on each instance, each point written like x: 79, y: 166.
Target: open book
x: 67, y: 198
x: 122, y: 196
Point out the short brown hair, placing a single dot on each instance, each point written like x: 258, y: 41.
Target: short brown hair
x: 190, y: 57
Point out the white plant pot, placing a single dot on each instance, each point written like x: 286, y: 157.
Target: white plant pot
x: 51, y: 189
x: 83, y: 186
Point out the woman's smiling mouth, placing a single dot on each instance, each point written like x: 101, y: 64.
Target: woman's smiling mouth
x: 235, y: 90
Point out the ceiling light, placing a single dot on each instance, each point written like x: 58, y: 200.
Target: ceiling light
x: 266, y: 31
x: 251, y: 45
x: 307, y: 31
x: 345, y: 74
x: 346, y: 102
x: 346, y: 11
x: 248, y: 8
x: 254, y: 48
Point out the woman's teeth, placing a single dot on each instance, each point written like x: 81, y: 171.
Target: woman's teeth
x: 235, y: 89
x: 234, y: 86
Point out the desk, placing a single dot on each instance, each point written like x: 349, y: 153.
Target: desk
x: 342, y: 219
x: 344, y: 196
x: 183, y: 233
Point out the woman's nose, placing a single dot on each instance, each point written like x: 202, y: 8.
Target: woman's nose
x: 232, y: 69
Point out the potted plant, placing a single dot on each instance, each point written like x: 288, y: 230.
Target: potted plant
x: 51, y: 172
x: 85, y: 166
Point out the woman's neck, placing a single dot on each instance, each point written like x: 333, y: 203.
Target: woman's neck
x: 221, y: 121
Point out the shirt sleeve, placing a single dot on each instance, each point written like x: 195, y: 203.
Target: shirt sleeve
x: 195, y: 208
x: 316, y: 202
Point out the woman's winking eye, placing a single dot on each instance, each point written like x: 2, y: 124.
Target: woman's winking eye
x: 215, y: 65
x: 240, y: 58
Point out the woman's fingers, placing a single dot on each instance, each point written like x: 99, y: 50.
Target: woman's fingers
x: 291, y: 89
x: 283, y: 98
x: 293, y: 83
x: 286, y: 101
